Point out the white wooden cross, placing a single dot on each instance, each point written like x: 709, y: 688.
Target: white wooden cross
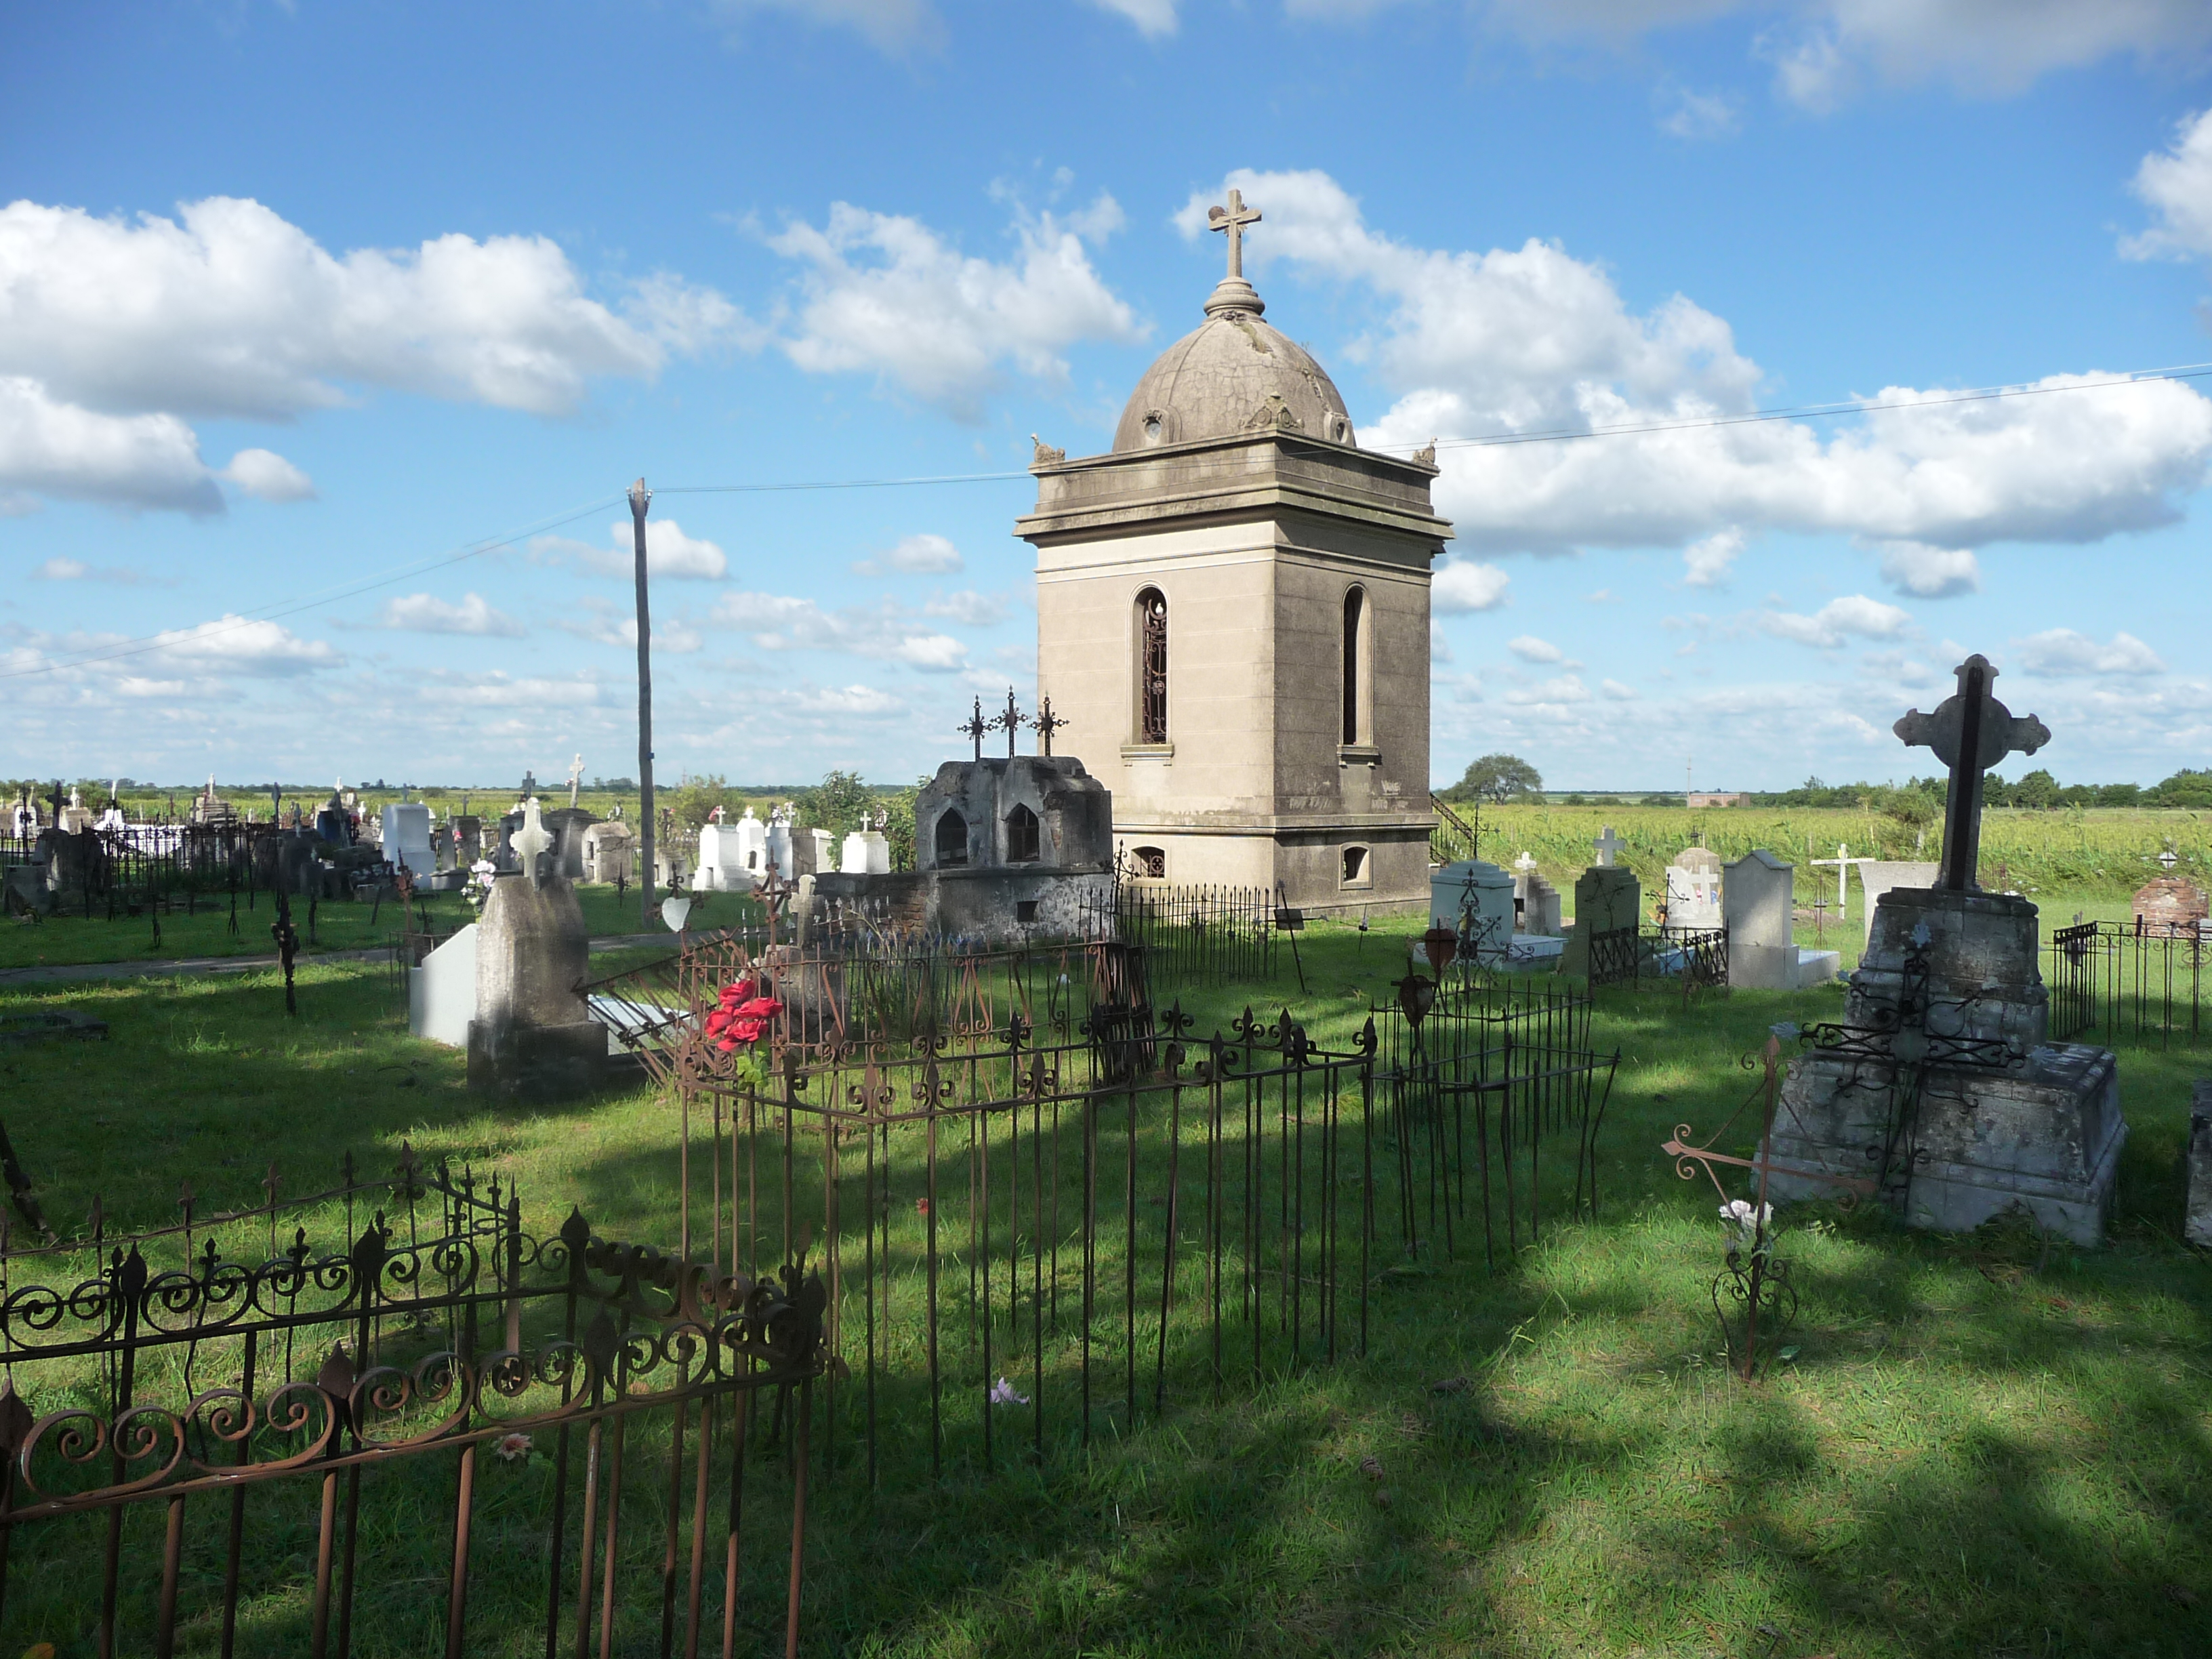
x: 1233, y: 219
x: 1843, y: 861
x: 530, y: 840
x: 1608, y: 844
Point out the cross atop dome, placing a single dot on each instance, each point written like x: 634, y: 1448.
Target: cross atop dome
x: 1233, y: 219
x: 1233, y: 293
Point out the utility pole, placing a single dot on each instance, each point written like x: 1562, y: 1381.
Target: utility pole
x: 640, y: 499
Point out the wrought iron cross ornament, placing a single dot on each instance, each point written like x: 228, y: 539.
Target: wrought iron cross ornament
x: 976, y: 726
x: 1047, y: 723
x: 1969, y: 732
x: 1233, y: 219
x: 1011, y: 722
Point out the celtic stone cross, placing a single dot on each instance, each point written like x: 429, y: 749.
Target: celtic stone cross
x: 1233, y: 219
x: 1969, y: 732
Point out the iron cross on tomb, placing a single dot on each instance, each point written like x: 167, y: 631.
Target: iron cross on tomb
x: 974, y: 727
x: 1969, y: 732
x: 1233, y: 219
x: 1011, y: 722
x: 1047, y: 723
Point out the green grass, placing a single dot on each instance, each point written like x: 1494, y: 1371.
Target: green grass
x: 1979, y: 1448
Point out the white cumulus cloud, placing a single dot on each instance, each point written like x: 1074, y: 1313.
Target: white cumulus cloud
x: 1529, y: 648
x: 883, y: 293
x: 1838, y: 620
x: 1930, y: 573
x: 232, y: 644
x: 425, y: 613
x: 886, y: 632
x: 669, y: 552
x: 1461, y: 585
x: 2176, y: 187
x: 897, y: 27
x: 115, y: 331
x: 1707, y: 560
x: 268, y: 476
x: 1530, y: 339
x: 2061, y: 652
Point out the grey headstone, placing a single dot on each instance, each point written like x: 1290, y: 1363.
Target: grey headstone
x: 1607, y: 898
x: 533, y: 1034
x: 1757, y: 905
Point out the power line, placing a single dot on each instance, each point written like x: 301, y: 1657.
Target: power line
x: 170, y: 639
x: 1558, y: 434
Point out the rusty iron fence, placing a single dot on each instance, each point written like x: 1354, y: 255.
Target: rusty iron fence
x: 1492, y: 1092
x: 1192, y: 936
x: 2130, y: 983
x: 1044, y: 1210
x: 127, y: 870
x: 442, y: 1432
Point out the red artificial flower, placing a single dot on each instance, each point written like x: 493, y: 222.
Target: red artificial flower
x: 741, y: 1016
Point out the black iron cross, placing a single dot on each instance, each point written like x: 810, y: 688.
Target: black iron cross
x: 1010, y: 722
x: 1047, y: 723
x: 1969, y: 732
x: 975, y: 726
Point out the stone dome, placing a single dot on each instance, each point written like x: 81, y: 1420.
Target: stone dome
x: 1232, y: 373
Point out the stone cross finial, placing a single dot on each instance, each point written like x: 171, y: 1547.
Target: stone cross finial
x: 1233, y: 219
x: 530, y: 840
x: 1969, y: 732
x: 576, y: 778
x: 1608, y: 845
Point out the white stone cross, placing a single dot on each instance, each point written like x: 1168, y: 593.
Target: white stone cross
x: 1525, y: 862
x: 1608, y: 844
x: 530, y: 840
x: 1233, y: 219
x: 576, y: 778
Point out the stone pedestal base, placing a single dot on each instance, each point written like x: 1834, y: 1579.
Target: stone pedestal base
x: 2045, y: 1135
x: 542, y: 1062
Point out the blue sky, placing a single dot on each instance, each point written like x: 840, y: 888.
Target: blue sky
x: 298, y: 299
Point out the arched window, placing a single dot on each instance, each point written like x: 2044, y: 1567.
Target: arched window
x: 1022, y: 845
x: 1355, y: 609
x: 952, y: 840
x: 1356, y: 871
x: 1151, y: 666
x: 1149, y: 863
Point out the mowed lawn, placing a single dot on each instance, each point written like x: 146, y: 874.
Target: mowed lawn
x: 1982, y: 1446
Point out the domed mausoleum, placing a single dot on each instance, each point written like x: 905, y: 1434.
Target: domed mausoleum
x: 1233, y: 613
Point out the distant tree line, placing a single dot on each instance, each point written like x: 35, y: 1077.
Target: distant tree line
x: 1498, y: 778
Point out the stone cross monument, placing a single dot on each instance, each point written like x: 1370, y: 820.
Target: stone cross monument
x: 575, y: 779
x: 1969, y: 732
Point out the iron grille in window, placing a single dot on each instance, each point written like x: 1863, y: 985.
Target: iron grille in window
x: 1152, y: 726
x: 1150, y: 862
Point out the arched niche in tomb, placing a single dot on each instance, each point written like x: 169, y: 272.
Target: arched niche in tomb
x: 1023, y: 843
x: 951, y: 839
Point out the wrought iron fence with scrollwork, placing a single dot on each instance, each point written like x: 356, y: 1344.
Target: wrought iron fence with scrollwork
x: 347, y: 1391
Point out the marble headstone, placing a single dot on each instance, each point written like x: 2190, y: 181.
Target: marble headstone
x: 1693, y: 891
x: 406, y: 827
x: 1878, y: 876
